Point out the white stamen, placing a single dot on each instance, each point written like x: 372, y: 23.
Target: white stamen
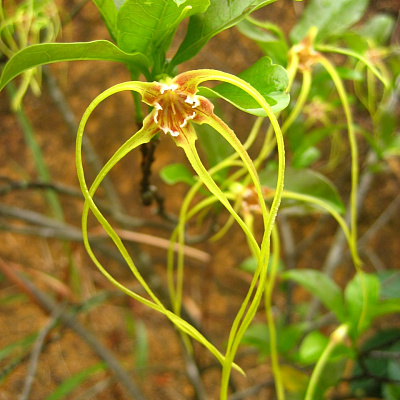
x: 165, y: 87
x: 192, y: 99
x: 168, y: 130
x: 184, y: 123
x: 157, y: 107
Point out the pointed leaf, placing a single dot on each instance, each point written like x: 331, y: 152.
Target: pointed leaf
x: 321, y: 286
x: 219, y: 16
x: 330, y: 17
x: 48, y: 53
x: 146, y: 25
x: 108, y: 12
x: 269, y: 79
x: 272, y: 45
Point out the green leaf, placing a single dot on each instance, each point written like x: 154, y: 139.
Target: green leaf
x: 354, y: 301
x: 249, y: 265
x: 379, y: 28
x: 74, y: 381
x: 332, y: 373
x: 305, y: 182
x: 219, y: 16
x: 272, y: 45
x: 269, y: 79
x: 330, y: 17
x: 385, y: 307
x: 391, y: 391
x: 108, y: 12
x: 366, y: 385
x: 47, y: 53
x: 321, y: 286
x: 147, y: 25
x: 257, y: 335
x: 312, y: 347
x: 176, y: 173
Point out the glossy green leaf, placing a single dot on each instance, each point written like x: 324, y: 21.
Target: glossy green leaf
x: 48, y: 53
x: 108, y: 12
x: 354, y: 301
x: 321, y: 286
x: 176, y: 173
x: 219, y: 16
x: 305, y: 182
x: 269, y: 79
x: 147, y: 26
x: 330, y: 17
x: 74, y: 381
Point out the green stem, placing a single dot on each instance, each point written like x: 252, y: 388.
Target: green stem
x: 301, y: 100
x: 243, y: 320
x: 358, y: 56
x: 353, y: 145
x: 354, y: 173
x: 149, y: 129
x: 280, y: 391
x: 336, y: 338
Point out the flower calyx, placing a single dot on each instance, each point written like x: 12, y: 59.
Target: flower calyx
x: 175, y: 105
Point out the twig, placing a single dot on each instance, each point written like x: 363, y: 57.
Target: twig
x: 69, y: 319
x: 122, y: 218
x: 162, y: 244
x: 37, y: 349
x: 11, y: 185
x: 50, y: 228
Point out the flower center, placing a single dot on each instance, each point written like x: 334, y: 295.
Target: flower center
x: 174, y: 108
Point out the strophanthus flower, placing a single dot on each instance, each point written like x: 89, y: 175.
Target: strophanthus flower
x: 176, y: 107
